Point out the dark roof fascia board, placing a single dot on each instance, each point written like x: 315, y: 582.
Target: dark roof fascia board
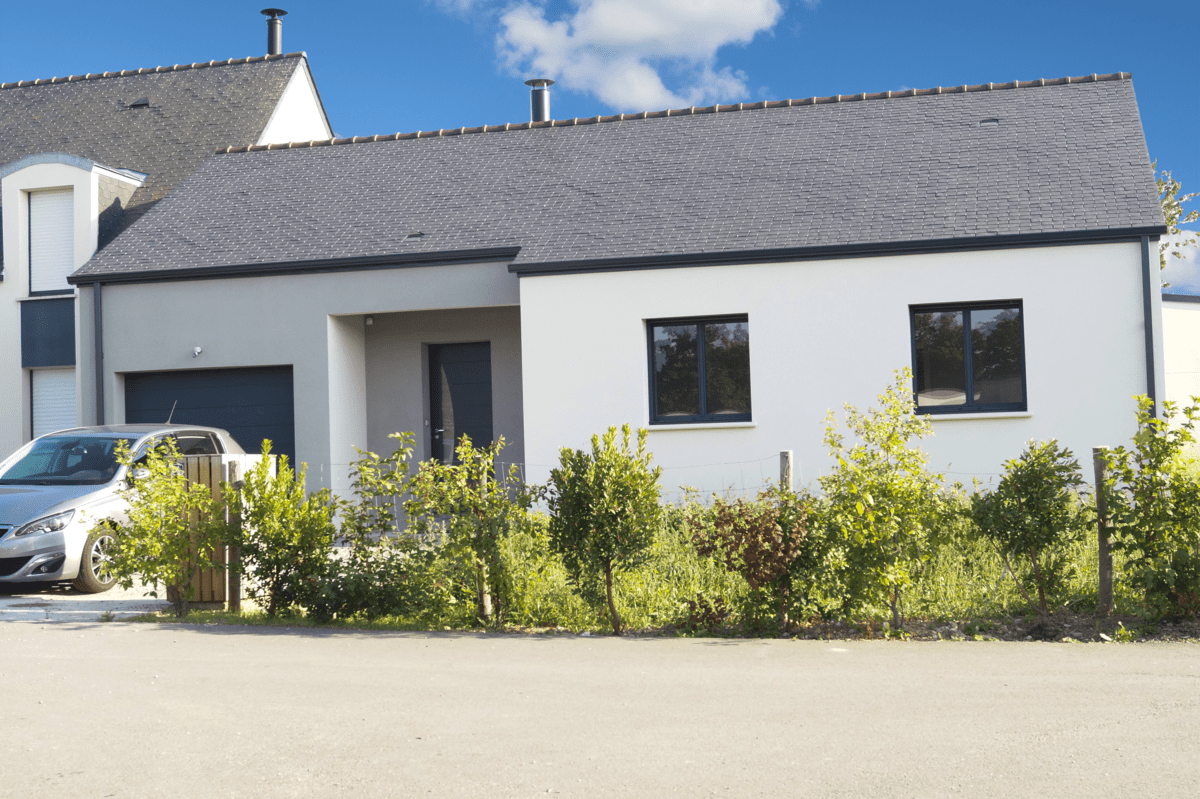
x: 361, y: 264
x: 1180, y: 298
x: 829, y: 252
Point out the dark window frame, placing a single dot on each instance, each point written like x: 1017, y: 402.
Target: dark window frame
x: 702, y: 417
x: 969, y: 406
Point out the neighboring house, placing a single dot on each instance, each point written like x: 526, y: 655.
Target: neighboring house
x: 1181, y: 336
x: 543, y: 281
x: 81, y: 159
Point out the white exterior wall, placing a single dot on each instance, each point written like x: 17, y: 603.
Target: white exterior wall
x: 298, y: 115
x: 15, y: 188
x: 1181, y: 328
x: 827, y: 332
x: 313, y: 322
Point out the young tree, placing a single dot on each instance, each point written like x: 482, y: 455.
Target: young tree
x: 604, y: 510
x: 477, y: 513
x: 1034, y: 513
x: 285, y: 534
x: 1154, y: 506
x: 174, y: 526
x: 880, y: 500
x: 1172, y: 208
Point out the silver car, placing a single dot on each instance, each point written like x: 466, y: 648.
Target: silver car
x: 60, y: 497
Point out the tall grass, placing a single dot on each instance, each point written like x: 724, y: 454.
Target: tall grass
x: 651, y: 595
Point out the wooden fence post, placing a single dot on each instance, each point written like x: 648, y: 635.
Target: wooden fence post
x: 785, y: 469
x: 1104, y: 594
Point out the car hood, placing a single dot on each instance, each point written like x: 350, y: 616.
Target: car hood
x: 24, y: 503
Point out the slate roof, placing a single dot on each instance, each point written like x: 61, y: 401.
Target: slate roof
x: 1063, y: 156
x: 194, y: 109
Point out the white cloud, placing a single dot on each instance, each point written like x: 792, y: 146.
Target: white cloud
x: 618, y: 50
x: 1184, y: 273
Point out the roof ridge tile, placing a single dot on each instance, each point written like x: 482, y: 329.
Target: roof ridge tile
x: 124, y: 73
x: 691, y: 111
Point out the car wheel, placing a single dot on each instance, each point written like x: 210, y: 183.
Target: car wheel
x: 94, y: 573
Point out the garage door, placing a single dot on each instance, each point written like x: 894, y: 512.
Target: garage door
x: 252, y: 404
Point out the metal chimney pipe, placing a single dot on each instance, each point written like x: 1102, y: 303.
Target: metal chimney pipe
x: 274, y: 30
x: 539, y: 99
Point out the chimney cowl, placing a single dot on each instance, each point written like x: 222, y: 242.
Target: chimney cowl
x: 539, y: 99
x: 274, y: 30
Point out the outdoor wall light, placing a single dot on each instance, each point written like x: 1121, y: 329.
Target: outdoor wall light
x: 196, y: 352
x: 370, y: 320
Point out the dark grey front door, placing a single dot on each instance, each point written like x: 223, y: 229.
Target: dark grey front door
x: 460, y: 397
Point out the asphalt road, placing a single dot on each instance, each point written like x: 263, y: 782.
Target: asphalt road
x: 135, y: 710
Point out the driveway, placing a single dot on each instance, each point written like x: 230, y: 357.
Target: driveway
x: 61, y: 602
x: 135, y: 710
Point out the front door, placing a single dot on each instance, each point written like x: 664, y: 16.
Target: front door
x: 460, y: 397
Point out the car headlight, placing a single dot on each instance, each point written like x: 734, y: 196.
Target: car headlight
x: 50, y: 524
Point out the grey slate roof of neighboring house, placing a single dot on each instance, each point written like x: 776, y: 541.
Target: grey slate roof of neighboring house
x: 193, y: 110
x: 1065, y: 156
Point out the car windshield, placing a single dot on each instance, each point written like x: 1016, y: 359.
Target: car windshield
x: 66, y: 460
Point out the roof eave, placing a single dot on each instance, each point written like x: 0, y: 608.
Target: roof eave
x: 828, y: 252
x: 364, y: 263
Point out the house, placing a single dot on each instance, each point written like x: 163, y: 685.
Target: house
x: 1181, y: 334
x: 723, y: 276
x: 84, y: 157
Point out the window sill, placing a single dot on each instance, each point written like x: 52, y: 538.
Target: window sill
x: 966, y: 417
x: 41, y: 297
x: 701, y: 426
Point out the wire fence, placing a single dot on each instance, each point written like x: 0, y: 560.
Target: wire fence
x: 725, y: 479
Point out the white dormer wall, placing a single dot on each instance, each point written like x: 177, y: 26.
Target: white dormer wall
x: 299, y: 115
x: 18, y: 181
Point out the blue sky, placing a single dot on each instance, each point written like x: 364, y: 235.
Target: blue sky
x: 429, y: 64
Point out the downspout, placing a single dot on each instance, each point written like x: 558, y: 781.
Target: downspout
x: 98, y: 335
x: 1148, y: 315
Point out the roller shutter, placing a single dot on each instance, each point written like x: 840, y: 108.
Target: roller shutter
x: 51, y: 239
x: 53, y: 407
x: 252, y: 404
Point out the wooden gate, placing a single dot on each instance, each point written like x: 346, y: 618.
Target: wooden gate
x: 214, y: 588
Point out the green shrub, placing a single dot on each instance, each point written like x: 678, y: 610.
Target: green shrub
x: 1154, y: 508
x: 881, y: 504
x: 1034, y: 515
x: 392, y: 576
x: 762, y: 541
x: 284, y: 533
x: 604, y: 510
x: 174, y: 527
x: 465, y: 506
x: 380, y: 571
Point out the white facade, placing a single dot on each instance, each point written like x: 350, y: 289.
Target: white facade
x: 298, y: 116
x: 827, y: 332
x: 58, y: 173
x: 1181, y: 328
x: 353, y: 383
x: 570, y: 353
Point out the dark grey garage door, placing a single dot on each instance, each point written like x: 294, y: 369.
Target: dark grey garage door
x: 252, y: 404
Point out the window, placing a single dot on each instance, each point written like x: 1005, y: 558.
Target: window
x: 699, y: 370
x: 195, y: 442
x: 969, y: 357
